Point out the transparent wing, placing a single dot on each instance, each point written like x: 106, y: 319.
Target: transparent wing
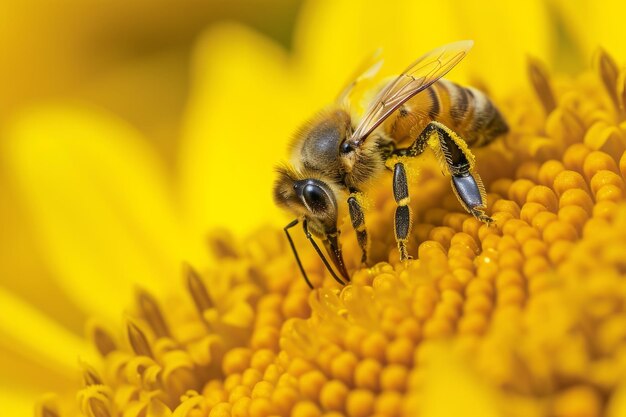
x: 417, y: 77
x: 366, y: 70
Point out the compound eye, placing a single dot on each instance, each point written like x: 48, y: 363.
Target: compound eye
x: 315, y: 198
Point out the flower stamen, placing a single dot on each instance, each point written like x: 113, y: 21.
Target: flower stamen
x: 609, y: 74
x: 540, y: 81
x: 101, y: 339
x: 198, y: 291
x: 138, y: 340
x: 151, y: 312
x: 48, y: 407
x: 90, y: 376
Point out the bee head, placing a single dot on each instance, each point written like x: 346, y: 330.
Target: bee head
x: 307, y: 197
x: 313, y: 200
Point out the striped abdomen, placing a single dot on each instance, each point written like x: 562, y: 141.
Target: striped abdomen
x: 467, y: 111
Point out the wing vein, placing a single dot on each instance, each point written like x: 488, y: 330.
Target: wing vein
x: 420, y: 75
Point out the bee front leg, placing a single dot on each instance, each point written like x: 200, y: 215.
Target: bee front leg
x: 358, y: 223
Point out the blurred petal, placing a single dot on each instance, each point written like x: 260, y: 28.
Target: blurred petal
x: 76, y: 41
x: 22, y: 271
x: 148, y: 92
x: 617, y: 404
x: 242, y: 111
x: 334, y: 36
x: 405, y: 30
x: 98, y: 197
x: 593, y: 24
x: 504, y: 36
x: 36, y: 355
x: 17, y: 403
x: 608, y: 19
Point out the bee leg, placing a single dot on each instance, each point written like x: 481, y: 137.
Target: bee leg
x: 358, y: 223
x: 454, y: 154
x: 455, y: 157
x: 402, y: 223
x: 470, y: 191
x: 419, y: 145
x: 319, y: 252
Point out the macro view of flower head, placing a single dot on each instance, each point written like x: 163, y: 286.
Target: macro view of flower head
x: 144, y: 269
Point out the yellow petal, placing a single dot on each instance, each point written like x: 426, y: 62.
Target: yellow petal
x: 504, y: 36
x: 22, y: 271
x: 592, y: 24
x: 28, y: 365
x: 18, y: 403
x: 148, y: 92
x: 99, y: 199
x: 242, y: 111
x: 77, y: 42
x: 608, y: 18
x: 332, y: 37
x: 23, y: 328
x: 336, y: 34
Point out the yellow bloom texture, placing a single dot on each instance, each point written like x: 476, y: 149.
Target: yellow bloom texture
x: 526, y: 317
x: 112, y: 184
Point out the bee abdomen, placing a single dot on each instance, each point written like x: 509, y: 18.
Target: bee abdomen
x: 469, y: 112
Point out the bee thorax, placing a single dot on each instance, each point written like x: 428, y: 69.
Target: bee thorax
x: 317, y: 144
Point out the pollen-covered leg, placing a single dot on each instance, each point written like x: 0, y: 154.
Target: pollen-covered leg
x: 402, y: 224
x: 454, y: 154
x: 417, y: 147
x: 358, y: 223
x: 455, y: 157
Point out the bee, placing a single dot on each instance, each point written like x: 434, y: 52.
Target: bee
x: 335, y: 158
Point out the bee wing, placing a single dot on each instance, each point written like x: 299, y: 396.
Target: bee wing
x: 417, y: 77
x: 367, y: 69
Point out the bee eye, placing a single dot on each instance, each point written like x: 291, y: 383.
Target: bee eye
x: 315, y: 198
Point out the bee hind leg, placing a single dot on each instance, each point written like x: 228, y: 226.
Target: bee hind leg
x: 469, y: 190
x: 455, y: 157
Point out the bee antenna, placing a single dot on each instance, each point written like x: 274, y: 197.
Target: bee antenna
x: 295, y: 252
x: 315, y: 246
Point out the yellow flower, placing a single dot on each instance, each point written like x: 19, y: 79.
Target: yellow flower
x: 523, y: 319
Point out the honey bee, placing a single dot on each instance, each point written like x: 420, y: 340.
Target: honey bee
x: 336, y: 158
